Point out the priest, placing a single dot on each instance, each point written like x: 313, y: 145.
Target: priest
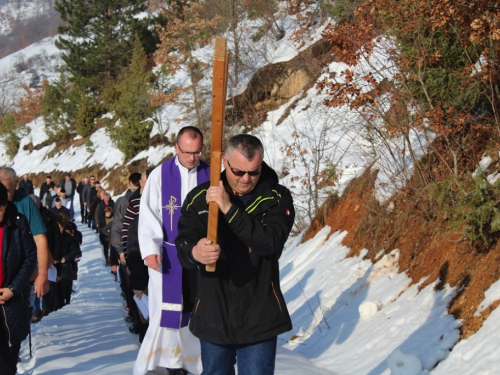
x: 168, y: 342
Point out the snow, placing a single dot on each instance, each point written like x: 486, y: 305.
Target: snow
x: 91, y: 331
x: 11, y: 11
x: 404, y: 364
x: 350, y: 315
x: 483, y: 165
x: 44, y: 46
x: 477, y: 354
x: 490, y: 296
x: 28, y: 66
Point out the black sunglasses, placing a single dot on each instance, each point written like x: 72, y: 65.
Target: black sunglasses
x: 239, y: 173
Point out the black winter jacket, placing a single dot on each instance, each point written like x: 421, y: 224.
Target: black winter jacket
x: 70, y: 251
x: 45, y: 189
x: 241, y: 302
x: 85, y: 194
x: 53, y: 232
x: 19, y: 260
x: 99, y: 212
x: 139, y: 277
x: 27, y: 187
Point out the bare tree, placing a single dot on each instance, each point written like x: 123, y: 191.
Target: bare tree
x: 312, y: 159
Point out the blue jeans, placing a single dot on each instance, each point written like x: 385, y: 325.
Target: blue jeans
x: 253, y: 359
x: 35, y: 302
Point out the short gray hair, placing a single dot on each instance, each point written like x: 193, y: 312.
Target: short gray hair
x: 246, y: 144
x: 8, y: 173
x: 35, y: 199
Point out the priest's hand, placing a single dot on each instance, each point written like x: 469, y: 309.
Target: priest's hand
x: 219, y: 195
x: 153, y: 261
x: 206, y: 253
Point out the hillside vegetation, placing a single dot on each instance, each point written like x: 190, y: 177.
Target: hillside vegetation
x: 445, y: 215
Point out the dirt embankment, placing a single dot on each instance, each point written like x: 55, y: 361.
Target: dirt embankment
x: 428, y: 248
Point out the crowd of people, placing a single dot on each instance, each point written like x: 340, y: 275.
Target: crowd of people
x: 100, y: 213
x: 198, y: 320
x: 55, y: 205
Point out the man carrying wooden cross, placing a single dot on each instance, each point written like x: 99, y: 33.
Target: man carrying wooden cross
x: 239, y: 309
x: 168, y: 342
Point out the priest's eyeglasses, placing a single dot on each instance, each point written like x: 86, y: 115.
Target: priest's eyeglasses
x: 195, y: 154
x: 239, y: 173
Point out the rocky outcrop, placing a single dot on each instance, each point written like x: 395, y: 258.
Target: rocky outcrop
x: 276, y: 84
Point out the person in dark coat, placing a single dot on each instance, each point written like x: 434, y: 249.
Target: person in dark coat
x: 59, y: 209
x: 93, y: 201
x: 240, y: 309
x: 102, y: 221
x: 73, y: 230
x: 17, y: 262
x: 70, y: 252
x: 68, y: 183
x: 26, y: 186
x: 49, y: 299
x: 45, y: 192
x: 136, y: 269
x: 86, y: 198
x: 80, y: 190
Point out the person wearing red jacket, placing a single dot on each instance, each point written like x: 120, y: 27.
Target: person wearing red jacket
x: 17, y: 262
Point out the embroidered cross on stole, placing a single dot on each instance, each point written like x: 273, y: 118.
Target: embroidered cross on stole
x: 171, y: 314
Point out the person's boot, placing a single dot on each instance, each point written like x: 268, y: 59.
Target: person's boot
x: 143, y: 330
x: 135, y: 328
x: 177, y: 371
x: 36, y: 318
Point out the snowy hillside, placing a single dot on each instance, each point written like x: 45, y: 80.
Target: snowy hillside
x: 350, y: 316
x: 28, y: 67
x: 18, y: 11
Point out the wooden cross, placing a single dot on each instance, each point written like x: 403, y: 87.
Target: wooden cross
x: 219, y: 91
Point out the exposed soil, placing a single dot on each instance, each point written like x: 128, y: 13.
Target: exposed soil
x: 428, y: 247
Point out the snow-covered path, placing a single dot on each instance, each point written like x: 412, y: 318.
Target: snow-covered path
x: 90, y: 336
x: 350, y: 316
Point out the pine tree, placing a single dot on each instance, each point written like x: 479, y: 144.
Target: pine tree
x: 58, y: 108
x: 98, y: 37
x: 130, y: 100
x: 86, y: 115
x: 188, y: 28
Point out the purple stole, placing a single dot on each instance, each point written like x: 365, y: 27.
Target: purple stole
x: 171, y: 311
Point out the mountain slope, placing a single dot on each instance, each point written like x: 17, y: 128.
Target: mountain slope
x: 26, y: 22
x: 378, y: 221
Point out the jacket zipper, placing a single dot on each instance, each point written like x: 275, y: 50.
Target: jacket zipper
x: 7, y: 325
x: 276, y: 295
